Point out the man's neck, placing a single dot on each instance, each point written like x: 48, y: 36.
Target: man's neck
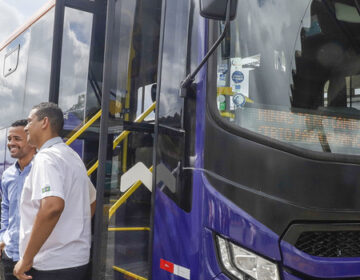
x: 45, y: 139
x: 23, y: 162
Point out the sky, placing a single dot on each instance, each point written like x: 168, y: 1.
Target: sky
x: 14, y: 13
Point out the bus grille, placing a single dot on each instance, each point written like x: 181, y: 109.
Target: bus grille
x: 330, y: 244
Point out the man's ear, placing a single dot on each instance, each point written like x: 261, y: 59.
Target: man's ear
x: 45, y: 123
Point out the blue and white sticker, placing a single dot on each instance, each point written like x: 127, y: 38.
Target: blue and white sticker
x: 237, y: 77
x: 239, y: 100
x: 221, y: 75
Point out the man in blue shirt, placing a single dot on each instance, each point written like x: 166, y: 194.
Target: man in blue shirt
x: 11, y: 186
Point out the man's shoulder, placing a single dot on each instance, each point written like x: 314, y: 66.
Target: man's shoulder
x: 55, y: 155
x: 9, y: 174
x: 10, y: 170
x: 46, y: 156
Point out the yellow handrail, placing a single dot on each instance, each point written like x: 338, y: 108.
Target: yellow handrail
x: 137, y: 120
x: 123, y: 135
x: 123, y: 271
x: 83, y: 128
x: 93, y: 168
x: 125, y: 196
x: 128, y: 228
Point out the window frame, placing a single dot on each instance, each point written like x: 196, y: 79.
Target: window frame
x: 17, y: 49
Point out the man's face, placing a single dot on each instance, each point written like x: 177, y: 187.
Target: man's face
x: 17, y: 142
x: 33, y: 128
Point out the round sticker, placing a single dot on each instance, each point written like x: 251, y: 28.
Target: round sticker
x: 237, y: 77
x: 221, y: 98
x: 239, y: 100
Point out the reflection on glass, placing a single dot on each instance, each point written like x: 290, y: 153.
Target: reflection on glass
x: 27, y: 83
x: 122, y: 51
x: 134, y: 71
x: 11, y: 61
x: 174, y: 58
x: 12, y: 86
x: 293, y: 74
x: 8, y: 159
x: 75, y: 64
x: 146, y: 97
x: 3, y: 149
x: 39, y: 62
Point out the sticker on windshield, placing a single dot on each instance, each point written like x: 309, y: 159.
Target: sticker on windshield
x: 237, y: 77
x: 221, y: 99
x: 222, y: 72
x: 239, y: 100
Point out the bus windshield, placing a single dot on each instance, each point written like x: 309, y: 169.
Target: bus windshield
x: 290, y: 70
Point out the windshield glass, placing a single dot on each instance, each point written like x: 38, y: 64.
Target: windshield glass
x: 290, y: 70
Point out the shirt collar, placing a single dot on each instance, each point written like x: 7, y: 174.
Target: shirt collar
x: 51, y: 142
x: 26, y: 168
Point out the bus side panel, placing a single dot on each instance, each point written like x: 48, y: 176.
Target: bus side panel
x: 182, y: 249
x: 172, y: 238
x: 225, y: 218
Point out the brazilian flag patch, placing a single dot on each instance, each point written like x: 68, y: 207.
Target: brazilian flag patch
x: 45, y: 189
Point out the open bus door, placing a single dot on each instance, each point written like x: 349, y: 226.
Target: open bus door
x: 130, y: 71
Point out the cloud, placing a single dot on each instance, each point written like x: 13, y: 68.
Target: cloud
x: 75, y: 59
x: 15, y: 13
x: 10, y: 20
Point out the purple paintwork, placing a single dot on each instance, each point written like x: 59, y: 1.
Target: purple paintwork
x: 210, y: 261
x: 318, y: 266
x: 224, y: 217
x: 71, y: 121
x: 288, y: 276
x: 221, y: 277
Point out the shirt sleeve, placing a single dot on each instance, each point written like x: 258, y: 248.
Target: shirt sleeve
x: 48, y: 178
x: 4, y: 209
x: 92, y: 192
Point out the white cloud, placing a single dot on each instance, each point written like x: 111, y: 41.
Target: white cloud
x: 10, y: 20
x: 15, y: 13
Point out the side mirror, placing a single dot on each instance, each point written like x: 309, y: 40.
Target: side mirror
x: 216, y: 9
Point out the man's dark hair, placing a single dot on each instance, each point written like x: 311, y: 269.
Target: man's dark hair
x: 19, y: 123
x: 53, y: 113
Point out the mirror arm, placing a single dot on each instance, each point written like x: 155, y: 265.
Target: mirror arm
x: 191, y: 77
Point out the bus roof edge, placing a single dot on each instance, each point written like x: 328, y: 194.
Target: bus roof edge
x: 42, y: 11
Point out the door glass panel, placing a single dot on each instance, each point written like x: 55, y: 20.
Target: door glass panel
x: 75, y: 65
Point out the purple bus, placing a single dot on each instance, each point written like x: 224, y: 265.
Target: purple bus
x: 254, y: 142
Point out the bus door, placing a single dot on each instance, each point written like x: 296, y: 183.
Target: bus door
x: 173, y: 230
x: 127, y: 208
x: 77, y: 74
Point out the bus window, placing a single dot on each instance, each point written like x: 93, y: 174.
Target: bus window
x: 11, y: 61
x: 12, y: 87
x: 26, y: 76
x: 170, y: 150
x: 144, y: 100
x: 6, y: 157
x: 75, y: 64
x: 39, y: 62
x: 352, y: 88
x: 3, y: 149
x: 292, y: 74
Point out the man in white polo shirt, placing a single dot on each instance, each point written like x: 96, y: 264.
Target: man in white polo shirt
x: 55, y: 212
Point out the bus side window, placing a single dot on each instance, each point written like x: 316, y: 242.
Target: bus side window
x: 170, y: 150
x: 11, y: 61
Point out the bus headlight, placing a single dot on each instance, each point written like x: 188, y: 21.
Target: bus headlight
x: 244, y: 264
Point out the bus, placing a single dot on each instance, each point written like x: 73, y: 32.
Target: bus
x: 229, y: 138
